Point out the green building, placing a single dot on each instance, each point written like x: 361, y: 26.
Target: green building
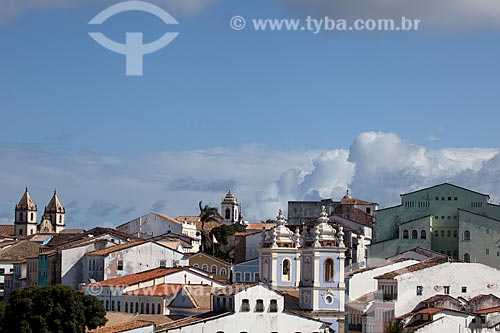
x: 446, y: 218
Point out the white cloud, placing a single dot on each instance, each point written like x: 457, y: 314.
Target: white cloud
x: 377, y: 167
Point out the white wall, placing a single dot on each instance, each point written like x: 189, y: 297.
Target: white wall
x: 362, y: 283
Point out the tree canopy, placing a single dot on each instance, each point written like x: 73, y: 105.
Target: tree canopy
x: 56, y: 309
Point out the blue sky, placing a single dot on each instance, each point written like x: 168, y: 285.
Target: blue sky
x: 65, y: 100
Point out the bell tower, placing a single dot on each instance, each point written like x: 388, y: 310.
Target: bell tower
x: 230, y: 209
x: 25, y: 216
x: 56, y: 213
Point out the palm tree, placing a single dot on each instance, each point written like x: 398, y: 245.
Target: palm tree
x: 207, y: 214
x: 395, y: 326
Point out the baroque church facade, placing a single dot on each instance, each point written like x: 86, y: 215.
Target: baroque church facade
x: 311, y: 262
x: 25, y: 221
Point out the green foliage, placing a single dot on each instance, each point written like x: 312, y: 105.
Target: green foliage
x: 395, y: 326
x: 222, y: 232
x: 56, y: 309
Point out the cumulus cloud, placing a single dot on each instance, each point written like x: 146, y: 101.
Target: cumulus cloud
x: 97, y: 188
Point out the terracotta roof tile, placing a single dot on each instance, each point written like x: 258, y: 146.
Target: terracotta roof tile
x: 260, y: 226
x: 132, y: 279
x: 20, y: 251
x: 490, y: 310
x: 123, y: 327
x: 192, y: 320
x: 7, y: 230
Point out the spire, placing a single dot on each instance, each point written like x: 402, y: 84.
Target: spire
x: 54, y: 205
x: 26, y: 203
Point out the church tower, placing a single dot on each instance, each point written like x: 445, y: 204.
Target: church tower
x: 322, y: 287
x: 230, y: 209
x: 55, y: 213
x: 279, y: 257
x: 25, y: 216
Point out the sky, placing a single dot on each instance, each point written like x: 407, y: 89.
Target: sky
x: 272, y: 115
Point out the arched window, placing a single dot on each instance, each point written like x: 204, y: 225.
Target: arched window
x: 137, y: 307
x: 285, y: 271
x: 126, y: 306
x: 159, y: 308
x: 131, y: 307
x: 214, y: 269
x: 307, y: 269
x: 205, y: 267
x: 142, y: 308
x: 238, y: 277
x: 265, y: 268
x: 406, y: 234
x: 196, y: 266
x: 414, y: 234
x: 147, y: 308
x: 60, y: 218
x: 423, y: 234
x: 328, y: 266
x: 32, y: 217
x: 466, y: 257
x: 223, y: 271
x: 228, y: 214
x: 21, y: 217
x: 152, y: 308
x: 466, y: 235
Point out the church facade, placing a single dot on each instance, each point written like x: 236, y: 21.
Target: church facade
x: 311, y: 261
x: 26, y: 222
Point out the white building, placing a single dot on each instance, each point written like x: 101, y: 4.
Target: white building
x: 254, y: 309
x: 130, y: 258
x: 156, y: 224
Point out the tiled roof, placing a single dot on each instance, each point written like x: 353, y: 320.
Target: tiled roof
x: 430, y: 311
x: 437, y: 298
x: 200, y: 295
x: 165, y: 289
x: 19, y: 251
x: 347, y: 200
x: 208, y: 225
x: 291, y: 299
x: 132, y: 279
x: 167, y: 218
x: 190, y: 321
x: 115, y: 248
x: 202, y: 254
x: 260, y: 226
x: 123, y: 327
x: 413, y: 268
x: 7, y: 230
x: 188, y: 218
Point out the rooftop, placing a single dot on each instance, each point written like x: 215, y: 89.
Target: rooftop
x: 115, y: 248
x: 132, y: 279
x: 413, y: 268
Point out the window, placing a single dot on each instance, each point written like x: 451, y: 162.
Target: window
x: 466, y: 235
x: 446, y: 290
x: 307, y: 269
x: 120, y: 265
x: 147, y: 308
x: 487, y: 252
x: 448, y: 233
x: 455, y: 234
x: 420, y: 290
x: 238, y: 277
x: 414, y: 234
x: 423, y: 234
x: 368, y: 210
x: 132, y: 307
x: 107, y: 305
x: 329, y: 277
x: 32, y: 217
x: 466, y: 257
x: 286, y: 274
x: 257, y: 277
x: 112, y: 305
x: 259, y: 306
x: 137, y: 307
x: 142, y: 308
x: 228, y: 214
x: 21, y: 216
x: 126, y: 306
x: 245, y: 305
x: 214, y: 269
x: 406, y: 234
x: 449, y: 198
x: 196, y: 266
x: 152, y: 309
x: 455, y: 198
x: 464, y: 289
x: 205, y: 267
x: 223, y: 271
x: 248, y: 277
x: 436, y: 233
x: 273, y: 306
x: 442, y: 233
x: 437, y: 198
x: 437, y: 217
x: 159, y: 308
